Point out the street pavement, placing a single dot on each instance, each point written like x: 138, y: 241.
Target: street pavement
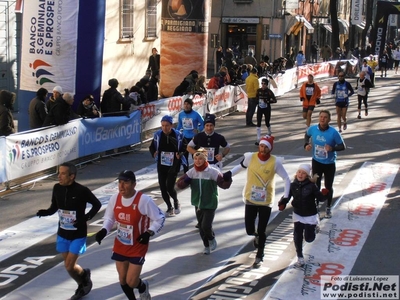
x: 366, y: 209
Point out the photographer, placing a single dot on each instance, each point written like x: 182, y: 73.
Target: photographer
x: 87, y: 108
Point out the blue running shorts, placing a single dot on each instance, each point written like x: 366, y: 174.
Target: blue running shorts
x: 76, y: 246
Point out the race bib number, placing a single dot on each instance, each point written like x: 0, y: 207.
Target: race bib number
x: 125, y: 234
x: 210, y: 153
x: 320, y: 152
x: 187, y: 123
x: 309, y: 90
x: 258, y: 194
x: 167, y: 158
x: 67, y: 219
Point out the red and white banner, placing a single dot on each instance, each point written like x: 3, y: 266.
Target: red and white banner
x: 49, y: 44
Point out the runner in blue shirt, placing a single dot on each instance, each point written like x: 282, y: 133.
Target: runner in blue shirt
x: 190, y: 122
x: 342, y: 91
x: 325, y: 141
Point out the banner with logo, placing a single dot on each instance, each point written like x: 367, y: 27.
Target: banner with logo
x: 101, y: 134
x: 49, y: 43
x: 35, y: 151
x: 356, y: 12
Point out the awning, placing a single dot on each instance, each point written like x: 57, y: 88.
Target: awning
x: 343, y: 26
x: 295, y: 23
x: 327, y: 27
x: 360, y: 27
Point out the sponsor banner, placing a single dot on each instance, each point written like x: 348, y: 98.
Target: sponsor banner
x: 356, y: 12
x: 340, y: 240
x: 35, y: 151
x: 49, y: 43
x: 101, y: 134
x: 221, y: 99
x: 285, y: 82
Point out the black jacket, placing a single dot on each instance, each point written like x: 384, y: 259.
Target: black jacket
x: 304, y: 194
x: 74, y: 198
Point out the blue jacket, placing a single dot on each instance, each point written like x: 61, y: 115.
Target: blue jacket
x: 188, y: 121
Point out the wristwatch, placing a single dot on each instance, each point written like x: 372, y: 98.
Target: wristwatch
x: 151, y: 232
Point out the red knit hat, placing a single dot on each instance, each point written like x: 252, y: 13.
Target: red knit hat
x: 268, y: 141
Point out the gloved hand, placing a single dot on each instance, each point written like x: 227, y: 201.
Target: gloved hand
x: 42, y: 213
x: 318, y: 101
x: 187, y: 180
x: 325, y: 192
x: 227, y: 176
x: 144, y: 238
x: 301, y: 99
x: 101, y: 235
x: 282, y: 203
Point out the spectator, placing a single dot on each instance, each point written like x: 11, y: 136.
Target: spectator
x: 191, y: 78
x: 152, y: 91
x: 219, y: 57
x: 300, y: 58
x: 213, y: 83
x: 262, y: 69
x: 37, y: 109
x: 154, y: 62
x: 326, y: 53
x: 252, y: 86
x: 87, y: 108
x: 181, y: 89
x: 7, y: 100
x: 229, y: 58
x: 249, y: 59
x: 225, y: 78
x: 244, y: 73
x: 200, y: 89
x: 314, y: 52
x: 143, y: 86
x: 57, y: 94
x: 61, y: 112
x: 112, y: 101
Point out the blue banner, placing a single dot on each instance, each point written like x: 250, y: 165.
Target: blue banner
x: 101, y: 134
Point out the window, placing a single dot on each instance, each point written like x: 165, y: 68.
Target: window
x: 151, y: 19
x: 126, y: 19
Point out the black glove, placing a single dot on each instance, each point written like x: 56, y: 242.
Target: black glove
x: 301, y: 99
x: 187, y: 180
x: 318, y: 101
x: 282, y: 203
x: 101, y: 235
x: 227, y: 176
x: 42, y: 213
x: 144, y: 238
